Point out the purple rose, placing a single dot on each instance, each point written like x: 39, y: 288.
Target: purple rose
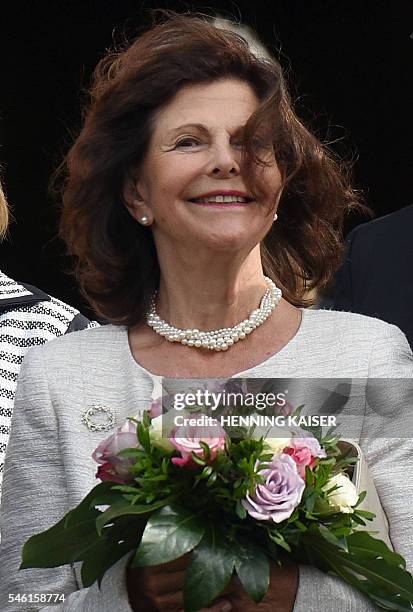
x: 111, y: 467
x: 276, y: 499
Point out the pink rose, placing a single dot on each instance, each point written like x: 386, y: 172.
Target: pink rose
x: 111, y: 467
x: 156, y: 408
x: 306, y: 441
x: 186, y: 439
x: 304, y: 451
x: 302, y: 457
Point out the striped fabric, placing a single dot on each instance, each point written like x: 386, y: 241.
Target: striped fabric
x: 28, y: 317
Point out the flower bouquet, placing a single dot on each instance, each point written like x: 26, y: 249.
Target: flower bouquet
x: 235, y: 503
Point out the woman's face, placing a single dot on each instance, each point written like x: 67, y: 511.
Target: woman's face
x: 191, y: 185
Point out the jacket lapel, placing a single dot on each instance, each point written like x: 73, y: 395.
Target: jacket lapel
x: 18, y: 294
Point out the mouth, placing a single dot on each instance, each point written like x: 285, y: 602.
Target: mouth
x: 233, y: 199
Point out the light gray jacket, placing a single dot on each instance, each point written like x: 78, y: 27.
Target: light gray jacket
x: 28, y: 317
x: 49, y: 468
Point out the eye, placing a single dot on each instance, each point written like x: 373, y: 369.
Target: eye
x: 260, y: 143
x: 257, y: 143
x: 189, y: 142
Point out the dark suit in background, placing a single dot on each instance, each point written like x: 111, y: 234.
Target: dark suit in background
x: 376, y: 278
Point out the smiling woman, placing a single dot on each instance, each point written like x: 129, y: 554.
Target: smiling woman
x: 192, y: 102
x: 189, y: 151
x: 191, y: 182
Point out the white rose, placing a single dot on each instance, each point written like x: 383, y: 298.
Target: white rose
x: 160, y: 429
x: 345, y: 496
x: 276, y: 438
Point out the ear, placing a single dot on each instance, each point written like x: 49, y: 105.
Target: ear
x: 277, y: 201
x: 134, y: 202
x: 273, y: 210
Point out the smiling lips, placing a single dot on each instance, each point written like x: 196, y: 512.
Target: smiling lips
x: 226, y: 198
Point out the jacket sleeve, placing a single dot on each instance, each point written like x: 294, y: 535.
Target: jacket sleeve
x: 391, y: 466
x: 34, y: 498
x: 390, y: 457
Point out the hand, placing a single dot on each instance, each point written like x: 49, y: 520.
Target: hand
x: 281, y: 592
x: 159, y: 588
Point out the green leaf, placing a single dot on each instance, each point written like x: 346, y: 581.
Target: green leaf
x: 240, y: 510
x: 358, y: 520
x: 127, y: 489
x: 212, y: 567
x: 143, y: 436
x: 365, y: 514
x: 206, y: 449
x: 212, y: 479
x: 365, y: 545
x: 310, y: 501
x: 300, y: 526
x: 197, y: 459
x: 130, y: 452
x: 334, y: 540
x: 207, y: 471
x: 116, y: 541
x: 75, y: 533
x: 369, y: 565
x: 170, y: 533
x: 60, y: 545
x: 92, y: 562
x: 279, y: 539
x: 101, y: 495
x: 361, y: 498
x: 253, y: 570
x: 124, y: 508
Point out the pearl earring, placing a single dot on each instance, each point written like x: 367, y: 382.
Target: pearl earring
x: 275, y: 217
x: 144, y: 220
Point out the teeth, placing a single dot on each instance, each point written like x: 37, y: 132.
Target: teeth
x: 221, y: 198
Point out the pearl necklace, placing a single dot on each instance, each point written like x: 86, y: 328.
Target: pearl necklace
x: 220, y: 339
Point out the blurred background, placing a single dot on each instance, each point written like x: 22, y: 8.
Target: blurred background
x: 349, y: 65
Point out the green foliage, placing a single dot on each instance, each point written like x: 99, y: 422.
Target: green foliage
x: 169, y: 534
x: 366, y: 563
x: 122, y: 537
x: 253, y: 569
x: 125, y: 508
x: 61, y: 544
x: 72, y: 536
x: 167, y: 511
x: 212, y: 566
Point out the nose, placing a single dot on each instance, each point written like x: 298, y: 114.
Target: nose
x: 225, y: 161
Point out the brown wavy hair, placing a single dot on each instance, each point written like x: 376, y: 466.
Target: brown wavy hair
x: 115, y: 257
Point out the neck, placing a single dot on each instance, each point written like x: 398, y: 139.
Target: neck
x: 218, y: 291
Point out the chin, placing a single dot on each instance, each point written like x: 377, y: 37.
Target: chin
x: 230, y: 241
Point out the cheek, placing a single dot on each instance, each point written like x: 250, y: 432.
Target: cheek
x: 172, y: 180
x: 272, y: 178
x: 272, y: 183
x: 269, y: 182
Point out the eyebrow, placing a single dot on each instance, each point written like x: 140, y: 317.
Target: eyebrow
x: 198, y: 126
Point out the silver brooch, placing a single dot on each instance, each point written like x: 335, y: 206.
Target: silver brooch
x: 99, y: 418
